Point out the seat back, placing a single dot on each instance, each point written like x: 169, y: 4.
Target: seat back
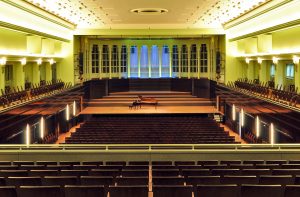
x: 45, y: 191
x: 217, y: 190
x: 172, y: 191
x: 292, y: 191
x: 84, y: 190
x: 8, y: 191
x: 261, y: 190
x: 128, y: 191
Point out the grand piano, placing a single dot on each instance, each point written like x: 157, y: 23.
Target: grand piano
x: 147, y: 101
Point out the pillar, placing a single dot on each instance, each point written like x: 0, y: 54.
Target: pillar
x: 263, y: 77
x: 179, y: 61
x: 119, y: 60
x: 160, y: 58
x: 18, y: 75
x: 279, y: 73
x: 48, y: 69
x: 2, y: 78
x: 35, y: 73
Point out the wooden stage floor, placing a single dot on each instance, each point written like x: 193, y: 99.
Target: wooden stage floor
x: 150, y: 110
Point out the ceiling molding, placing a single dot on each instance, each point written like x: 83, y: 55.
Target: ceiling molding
x: 268, y: 30
x: 64, y: 23
x: 232, y: 23
x: 30, y: 31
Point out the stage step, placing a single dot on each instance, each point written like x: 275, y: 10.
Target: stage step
x: 150, y: 93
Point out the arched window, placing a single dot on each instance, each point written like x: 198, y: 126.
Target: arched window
x: 175, y: 60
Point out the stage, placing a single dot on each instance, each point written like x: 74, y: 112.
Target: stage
x: 169, y: 102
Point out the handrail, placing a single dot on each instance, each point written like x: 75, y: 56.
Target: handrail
x: 148, y: 147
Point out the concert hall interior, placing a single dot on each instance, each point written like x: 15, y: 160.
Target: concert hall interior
x: 149, y: 98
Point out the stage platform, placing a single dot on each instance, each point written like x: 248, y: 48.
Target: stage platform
x: 169, y: 102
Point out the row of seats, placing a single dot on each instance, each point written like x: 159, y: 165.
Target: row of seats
x: 144, y: 180
x: 277, y: 94
x: 21, y: 94
x: 229, y: 190
x: 155, y: 163
x: 150, y: 129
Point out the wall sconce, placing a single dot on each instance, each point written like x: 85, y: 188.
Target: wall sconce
x: 51, y: 61
x: 3, y: 61
x: 296, y: 62
x: 275, y: 60
x: 23, y: 61
x: 259, y: 60
x: 39, y: 61
x: 247, y: 60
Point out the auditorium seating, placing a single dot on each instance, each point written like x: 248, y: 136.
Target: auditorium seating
x: 150, y: 129
x: 280, y: 94
x: 81, y: 180
x: 19, y: 95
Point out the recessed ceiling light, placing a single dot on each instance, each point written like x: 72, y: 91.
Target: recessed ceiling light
x: 149, y: 11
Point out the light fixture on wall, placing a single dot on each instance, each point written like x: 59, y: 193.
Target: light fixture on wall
x: 296, y: 62
x: 275, y: 60
x: 242, y: 117
x: 51, y: 61
x: 233, y: 113
x: 247, y: 60
x: 39, y: 61
x: 3, y: 61
x: 257, y: 127
x: 27, y: 135
x: 272, y: 134
x: 23, y: 61
x: 259, y: 60
x: 67, y: 113
x: 42, y: 127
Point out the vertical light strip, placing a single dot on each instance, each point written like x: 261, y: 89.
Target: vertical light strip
x: 272, y: 133
x: 242, y: 117
x: 42, y: 127
x: 257, y: 127
x: 240, y: 125
x: 27, y: 135
x: 233, y: 113
x: 74, y: 108
x: 67, y: 113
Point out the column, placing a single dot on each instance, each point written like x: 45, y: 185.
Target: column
x: 149, y: 59
x: 2, y: 78
x: 48, y: 69
x: 35, y: 73
x: 189, y: 60
x: 119, y: 60
x: 170, y: 59
x: 18, y: 75
x: 128, y: 61
x: 159, y: 58
x: 279, y: 73
x: 198, y: 59
x: 250, y: 70
x: 263, y: 72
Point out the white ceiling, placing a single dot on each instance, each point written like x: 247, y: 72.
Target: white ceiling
x: 116, y: 13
